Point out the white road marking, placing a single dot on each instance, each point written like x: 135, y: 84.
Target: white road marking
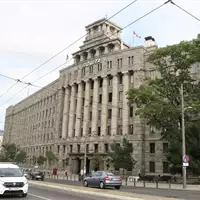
x: 39, y: 197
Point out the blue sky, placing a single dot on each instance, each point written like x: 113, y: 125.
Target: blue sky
x: 33, y: 31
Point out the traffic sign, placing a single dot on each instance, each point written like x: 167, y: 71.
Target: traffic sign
x: 186, y: 159
x: 185, y: 164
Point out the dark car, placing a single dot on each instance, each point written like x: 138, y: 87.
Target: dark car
x: 103, y: 179
x: 37, y: 176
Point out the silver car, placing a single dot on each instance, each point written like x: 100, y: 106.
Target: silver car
x: 103, y: 179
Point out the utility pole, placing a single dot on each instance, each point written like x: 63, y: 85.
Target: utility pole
x: 183, y: 135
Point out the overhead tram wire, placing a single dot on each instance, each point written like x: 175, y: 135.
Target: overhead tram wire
x: 108, y: 37
x: 64, y: 49
x: 185, y: 11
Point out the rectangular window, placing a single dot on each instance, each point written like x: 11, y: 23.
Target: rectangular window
x: 71, y: 148
x: 131, y: 129
x: 83, y: 102
x: 100, y: 98
x: 106, y: 148
x: 91, y: 85
x: 91, y: 100
x: 90, y: 131
x: 166, y: 167
x: 110, y: 82
x: 120, y: 96
x: 87, y: 148
x: 74, y: 133
x: 131, y: 112
x: 83, y: 71
x: 120, y: 79
x: 109, y: 64
x: 78, y: 148
x: 110, y: 97
x: 101, y: 83
x: 152, y: 147
x: 91, y: 69
x: 99, y: 131
x: 99, y: 67
x: 165, y: 147
x: 120, y: 113
x: 109, y: 113
x: 99, y: 115
x: 81, y: 132
x: 109, y: 131
x: 96, y: 148
x: 58, y: 149
x: 151, y: 167
x: 119, y: 62
x: 119, y: 130
x: 64, y: 148
x: 130, y: 60
x: 90, y: 116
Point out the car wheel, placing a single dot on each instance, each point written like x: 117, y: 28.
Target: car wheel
x: 24, y: 195
x: 102, y: 185
x: 117, y: 187
x: 85, y: 183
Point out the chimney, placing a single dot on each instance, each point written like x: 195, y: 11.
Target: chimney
x: 149, y: 41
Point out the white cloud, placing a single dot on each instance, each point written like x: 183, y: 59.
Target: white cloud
x: 31, y: 32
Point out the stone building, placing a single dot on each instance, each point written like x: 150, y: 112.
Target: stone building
x: 86, y: 108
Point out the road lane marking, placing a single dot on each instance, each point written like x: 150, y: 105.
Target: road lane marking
x: 39, y: 197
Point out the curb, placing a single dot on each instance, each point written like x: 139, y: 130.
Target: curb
x: 97, y: 192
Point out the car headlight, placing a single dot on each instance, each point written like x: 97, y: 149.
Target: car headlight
x: 26, y: 181
x: 1, y: 182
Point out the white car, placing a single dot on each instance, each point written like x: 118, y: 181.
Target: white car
x: 12, y: 180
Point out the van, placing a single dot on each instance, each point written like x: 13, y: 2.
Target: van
x: 12, y: 180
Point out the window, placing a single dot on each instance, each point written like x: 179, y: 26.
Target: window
x: 120, y: 79
x: 99, y: 67
x: 81, y: 132
x: 130, y: 60
x: 119, y: 130
x: 109, y: 65
x: 120, y: 113
x: 99, y: 131
x: 100, y: 98
x: 165, y: 147
x: 109, y: 113
x: 92, y: 85
x: 110, y: 82
x: 87, y: 148
x: 119, y: 62
x: 152, y: 167
x: 101, y: 83
x: 91, y: 100
x: 96, y: 146
x: 74, y: 133
x: 131, y: 112
x: 90, y: 116
x: 106, y: 148
x: 83, y: 102
x: 131, y: 129
x: 90, y: 131
x: 152, y: 147
x: 64, y: 148
x: 99, y: 115
x: 110, y: 97
x: 109, y: 131
x: 91, y: 69
x: 83, y: 71
x: 120, y: 96
x: 166, y: 167
x: 78, y: 148
x: 58, y: 148
x: 71, y: 148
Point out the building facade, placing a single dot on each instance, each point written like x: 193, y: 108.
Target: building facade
x: 87, y: 108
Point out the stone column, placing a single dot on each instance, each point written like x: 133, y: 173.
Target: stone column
x: 104, y: 108
x: 86, y: 108
x: 78, y: 109
x: 115, y: 98
x: 65, y: 113
x: 125, y: 104
x: 72, y: 111
x: 95, y: 106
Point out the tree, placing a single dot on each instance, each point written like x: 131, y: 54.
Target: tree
x: 159, y: 100
x: 41, y: 160
x: 51, y: 157
x: 21, y: 157
x: 121, y: 156
x: 8, y: 152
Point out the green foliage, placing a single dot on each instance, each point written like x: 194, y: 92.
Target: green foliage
x: 121, y: 155
x: 159, y: 100
x: 12, y: 153
x: 41, y: 160
x: 51, y: 157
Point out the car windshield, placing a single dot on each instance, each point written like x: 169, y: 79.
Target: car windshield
x: 37, y: 173
x: 10, y: 172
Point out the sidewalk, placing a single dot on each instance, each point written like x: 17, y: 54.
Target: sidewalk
x: 160, y: 185
x: 97, y: 192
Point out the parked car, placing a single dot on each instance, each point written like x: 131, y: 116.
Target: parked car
x: 37, y: 175
x: 103, y: 179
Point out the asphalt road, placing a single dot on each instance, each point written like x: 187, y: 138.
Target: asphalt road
x: 43, y: 193
x: 179, y: 194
